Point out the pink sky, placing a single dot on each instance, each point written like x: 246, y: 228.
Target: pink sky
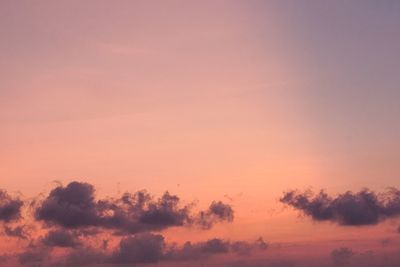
x: 232, y: 100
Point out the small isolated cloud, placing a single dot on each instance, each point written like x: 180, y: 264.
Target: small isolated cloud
x: 217, y: 212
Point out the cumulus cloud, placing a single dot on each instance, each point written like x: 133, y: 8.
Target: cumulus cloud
x: 74, y: 206
x: 141, y: 248
x: 144, y: 248
x: 136, y: 249
x: 10, y: 208
x: 217, y: 212
x: 349, y: 209
x: 150, y: 248
x: 139, y: 212
x: 70, y: 207
x: 78, y: 227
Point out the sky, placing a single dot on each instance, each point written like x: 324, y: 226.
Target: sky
x: 244, y: 110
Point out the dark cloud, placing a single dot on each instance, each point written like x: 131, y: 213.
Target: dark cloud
x: 60, y: 238
x: 165, y: 212
x: 139, y: 212
x: 141, y: 248
x: 156, y: 249
x: 362, y: 208
x: 10, y: 208
x: 74, y: 206
x: 71, y: 206
x: 79, y: 225
x: 217, y: 212
x: 144, y: 248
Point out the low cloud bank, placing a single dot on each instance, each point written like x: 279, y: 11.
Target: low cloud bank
x: 348, y: 209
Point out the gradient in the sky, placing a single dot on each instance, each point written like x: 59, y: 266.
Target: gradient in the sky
x: 232, y: 100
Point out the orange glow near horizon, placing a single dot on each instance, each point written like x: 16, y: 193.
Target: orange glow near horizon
x: 211, y: 100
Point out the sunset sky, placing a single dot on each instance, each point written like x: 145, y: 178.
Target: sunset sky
x: 228, y: 102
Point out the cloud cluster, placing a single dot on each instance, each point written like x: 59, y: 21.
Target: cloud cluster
x: 218, y: 246
x: 134, y: 249
x: 349, y: 209
x: 152, y: 248
x: 74, y: 206
x: 127, y: 230
x: 72, y: 219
